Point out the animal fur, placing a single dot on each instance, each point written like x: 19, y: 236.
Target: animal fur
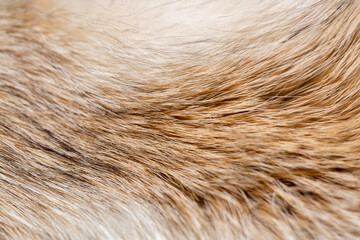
x: 180, y: 119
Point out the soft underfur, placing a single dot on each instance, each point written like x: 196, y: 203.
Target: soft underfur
x: 217, y: 119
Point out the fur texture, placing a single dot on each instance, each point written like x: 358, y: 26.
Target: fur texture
x: 180, y: 120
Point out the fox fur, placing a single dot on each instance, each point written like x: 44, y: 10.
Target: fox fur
x: 163, y: 119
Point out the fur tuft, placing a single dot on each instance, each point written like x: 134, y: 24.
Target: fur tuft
x: 180, y: 119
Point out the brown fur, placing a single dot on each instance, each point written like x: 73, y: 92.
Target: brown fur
x: 130, y: 128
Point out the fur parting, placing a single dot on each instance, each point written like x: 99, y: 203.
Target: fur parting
x: 166, y: 119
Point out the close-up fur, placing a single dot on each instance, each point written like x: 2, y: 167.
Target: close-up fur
x: 161, y: 119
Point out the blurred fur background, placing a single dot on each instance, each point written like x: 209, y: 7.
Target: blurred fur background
x: 181, y: 119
